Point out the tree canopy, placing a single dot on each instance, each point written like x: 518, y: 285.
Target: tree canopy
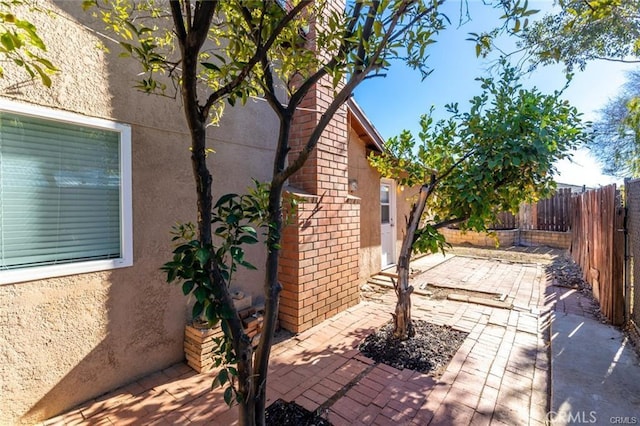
x: 585, y: 30
x: 616, y: 132
x: 475, y: 165
x: 490, y: 158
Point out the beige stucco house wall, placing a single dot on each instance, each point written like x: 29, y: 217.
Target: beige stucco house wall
x: 67, y: 339
x: 365, y: 184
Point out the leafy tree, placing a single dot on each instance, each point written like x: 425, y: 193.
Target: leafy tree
x: 217, y: 52
x: 474, y: 165
x: 21, y: 45
x: 616, y: 133
x: 585, y: 30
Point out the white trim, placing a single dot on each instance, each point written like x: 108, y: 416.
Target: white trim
x: 126, y: 209
x: 393, y: 213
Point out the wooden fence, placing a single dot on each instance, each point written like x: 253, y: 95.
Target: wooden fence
x: 597, y: 245
x: 505, y: 221
x: 551, y: 214
x: 554, y: 214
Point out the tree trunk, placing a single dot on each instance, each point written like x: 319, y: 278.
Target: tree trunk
x: 403, y: 328
x: 272, y: 286
x: 191, y: 39
x: 246, y: 386
x: 241, y: 342
x: 272, y: 290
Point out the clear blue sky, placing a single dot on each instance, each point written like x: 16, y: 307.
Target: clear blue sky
x: 395, y: 102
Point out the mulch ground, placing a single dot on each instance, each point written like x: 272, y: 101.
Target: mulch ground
x: 428, y: 351
x: 282, y: 413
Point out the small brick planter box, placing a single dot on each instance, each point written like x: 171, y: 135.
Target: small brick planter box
x: 198, y: 338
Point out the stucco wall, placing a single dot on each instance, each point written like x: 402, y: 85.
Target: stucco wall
x: 66, y: 340
x: 368, y: 180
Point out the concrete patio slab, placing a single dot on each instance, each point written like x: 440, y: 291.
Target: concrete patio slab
x: 596, y: 373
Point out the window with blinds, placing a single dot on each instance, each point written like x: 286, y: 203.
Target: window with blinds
x: 64, y: 194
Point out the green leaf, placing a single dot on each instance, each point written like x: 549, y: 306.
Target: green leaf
x: 228, y: 395
x: 197, y: 309
x: 88, y: 4
x: 223, y: 199
x: 46, y: 80
x: 127, y: 46
x: 187, y: 287
x: 248, y: 265
x: 171, y: 275
x: 223, y: 377
x: 203, y: 255
x: 182, y: 248
x: 210, y: 66
x: 237, y: 253
x: 7, y: 42
x: 248, y: 239
x: 201, y: 294
x: 211, y: 313
x: 46, y: 63
x: 249, y: 230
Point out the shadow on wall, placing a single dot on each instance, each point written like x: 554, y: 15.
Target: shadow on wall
x: 127, y: 333
x: 76, y: 337
x: 69, y: 339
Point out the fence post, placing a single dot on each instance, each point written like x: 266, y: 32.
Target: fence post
x: 627, y: 281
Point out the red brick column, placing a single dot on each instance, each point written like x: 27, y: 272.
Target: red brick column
x: 319, y: 265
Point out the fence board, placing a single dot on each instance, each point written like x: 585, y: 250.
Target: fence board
x: 506, y: 220
x: 596, y: 244
x: 553, y: 214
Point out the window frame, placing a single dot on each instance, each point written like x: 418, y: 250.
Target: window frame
x: 11, y: 276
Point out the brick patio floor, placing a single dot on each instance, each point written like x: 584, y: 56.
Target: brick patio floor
x: 499, y: 376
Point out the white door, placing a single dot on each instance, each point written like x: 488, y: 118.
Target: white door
x: 388, y: 221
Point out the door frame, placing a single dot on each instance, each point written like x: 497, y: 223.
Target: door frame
x: 392, y: 221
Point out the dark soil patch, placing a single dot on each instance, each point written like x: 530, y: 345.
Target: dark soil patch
x: 429, y: 351
x: 282, y: 413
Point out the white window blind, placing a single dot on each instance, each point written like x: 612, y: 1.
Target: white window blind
x: 61, y: 197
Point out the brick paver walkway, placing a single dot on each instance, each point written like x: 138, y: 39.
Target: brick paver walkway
x: 498, y: 377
